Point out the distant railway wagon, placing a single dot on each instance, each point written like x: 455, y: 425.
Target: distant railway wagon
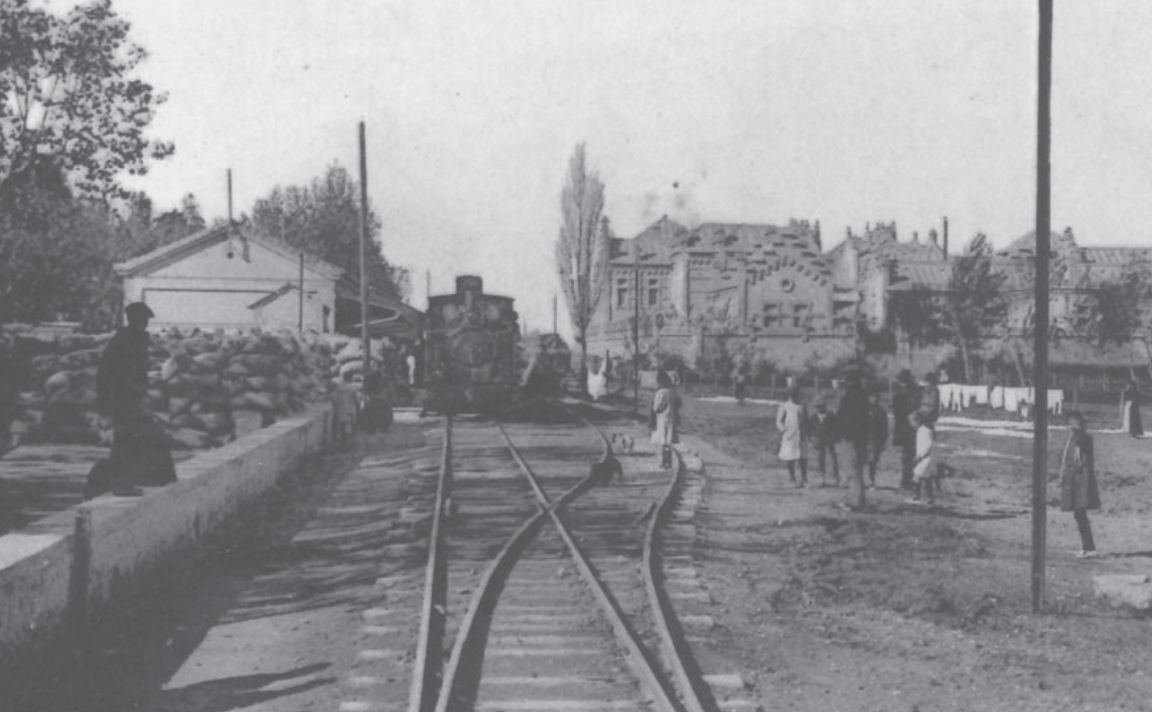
x: 471, y: 339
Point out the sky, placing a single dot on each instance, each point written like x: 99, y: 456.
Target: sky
x: 843, y: 111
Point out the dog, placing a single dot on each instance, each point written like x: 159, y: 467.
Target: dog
x: 606, y: 470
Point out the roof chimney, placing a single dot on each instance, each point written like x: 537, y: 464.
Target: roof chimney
x: 933, y: 237
x: 915, y: 237
x: 945, y: 237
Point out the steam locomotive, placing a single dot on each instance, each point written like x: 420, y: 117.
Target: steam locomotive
x: 470, y: 349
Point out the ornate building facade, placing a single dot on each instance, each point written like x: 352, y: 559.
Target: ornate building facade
x: 722, y: 292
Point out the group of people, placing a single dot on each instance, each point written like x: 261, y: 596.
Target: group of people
x: 861, y: 423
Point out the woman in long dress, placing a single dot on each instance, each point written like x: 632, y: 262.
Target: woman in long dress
x: 1131, y: 399
x: 665, y: 417
x: 792, y: 421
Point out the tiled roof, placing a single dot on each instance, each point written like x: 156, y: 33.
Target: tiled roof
x: 1026, y: 243
x: 1114, y: 256
x: 930, y: 275
x: 798, y: 241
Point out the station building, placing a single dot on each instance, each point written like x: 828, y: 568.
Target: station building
x: 226, y: 278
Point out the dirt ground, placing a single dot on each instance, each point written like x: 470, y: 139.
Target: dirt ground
x: 902, y: 607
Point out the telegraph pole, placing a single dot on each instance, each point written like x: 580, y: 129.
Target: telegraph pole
x: 366, y: 362
x: 636, y: 327
x: 300, y: 325
x: 1040, y: 348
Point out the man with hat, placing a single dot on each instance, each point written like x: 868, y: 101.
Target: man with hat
x: 905, y: 399
x: 138, y: 451
x: 852, y: 420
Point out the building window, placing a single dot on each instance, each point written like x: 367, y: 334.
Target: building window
x: 653, y: 292
x: 800, y: 313
x: 771, y: 315
x: 621, y: 292
x: 326, y: 313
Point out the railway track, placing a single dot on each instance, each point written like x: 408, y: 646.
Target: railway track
x: 546, y: 587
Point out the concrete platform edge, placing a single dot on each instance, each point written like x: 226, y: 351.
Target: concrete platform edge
x: 41, y: 577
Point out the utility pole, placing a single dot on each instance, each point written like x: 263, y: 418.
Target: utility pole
x: 636, y: 326
x: 366, y: 362
x: 554, y: 331
x: 229, y: 174
x: 300, y: 325
x: 1040, y: 337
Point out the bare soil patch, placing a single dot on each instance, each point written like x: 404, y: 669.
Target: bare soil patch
x: 907, y: 608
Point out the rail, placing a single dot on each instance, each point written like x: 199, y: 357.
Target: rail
x: 641, y: 664
x: 427, y: 667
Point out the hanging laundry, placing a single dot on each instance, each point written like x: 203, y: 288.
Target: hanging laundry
x: 996, y: 398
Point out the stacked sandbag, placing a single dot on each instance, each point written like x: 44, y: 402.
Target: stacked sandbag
x: 60, y: 405
x: 348, y: 358
x: 198, y: 384
x: 188, y: 391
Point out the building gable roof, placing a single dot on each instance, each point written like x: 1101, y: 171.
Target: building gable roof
x: 198, y: 242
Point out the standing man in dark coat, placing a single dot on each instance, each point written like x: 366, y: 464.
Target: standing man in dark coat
x: 822, y: 427
x: 905, y: 400
x: 1078, y: 489
x: 929, y: 401
x: 139, y: 454
x: 852, y: 421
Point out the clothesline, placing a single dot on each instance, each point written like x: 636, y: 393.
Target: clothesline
x: 958, y: 396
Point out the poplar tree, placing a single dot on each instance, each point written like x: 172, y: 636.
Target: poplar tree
x: 582, y: 249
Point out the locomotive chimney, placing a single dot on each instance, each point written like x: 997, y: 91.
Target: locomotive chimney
x: 469, y: 283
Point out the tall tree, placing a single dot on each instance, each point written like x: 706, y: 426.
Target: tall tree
x: 68, y: 96
x: 977, y: 305
x: 54, y: 252
x: 582, y: 249
x: 1115, y: 310
x: 919, y: 313
x: 323, y: 218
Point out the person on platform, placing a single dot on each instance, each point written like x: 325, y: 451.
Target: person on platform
x: 852, y: 422
x: 792, y: 422
x: 1131, y: 413
x: 824, y: 435
x: 877, y: 436
x: 665, y: 417
x: 905, y: 400
x: 1078, y: 489
x: 140, y: 453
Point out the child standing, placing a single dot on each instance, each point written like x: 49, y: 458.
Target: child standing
x: 877, y: 435
x: 1078, y: 490
x: 665, y: 418
x: 922, y: 467
x: 791, y: 421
